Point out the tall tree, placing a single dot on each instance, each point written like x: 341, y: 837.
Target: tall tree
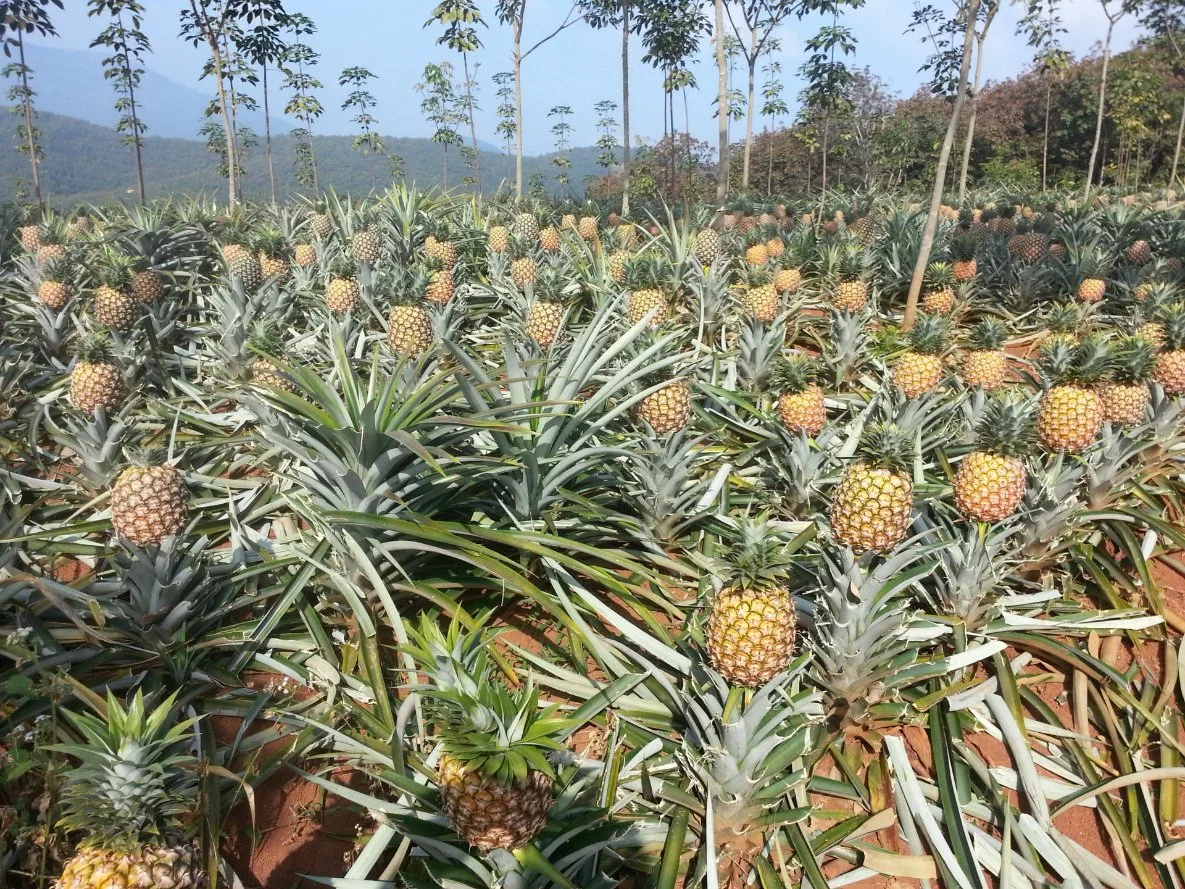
x: 263, y: 44
x: 1114, y: 16
x: 296, y: 64
x: 206, y: 21
x: 23, y: 17
x: 461, y: 19
x: 827, y: 78
x: 721, y: 107
x: 987, y: 14
x: 360, y: 100
x: 968, y: 16
x: 1165, y: 19
x: 513, y: 13
x: 773, y: 108
x: 1042, y: 26
x: 505, y: 110
x: 439, y: 106
x: 614, y: 14
x: 235, y: 70
x: 562, y: 131
x: 124, y: 68
x: 607, y: 138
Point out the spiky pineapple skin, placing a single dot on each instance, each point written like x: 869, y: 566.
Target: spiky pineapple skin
x: 489, y: 814
x: 342, y: 294
x: 1069, y: 418
x: 787, y: 280
x: 549, y: 239
x: 986, y: 368
x: 851, y: 296
x: 1170, y: 371
x: 940, y: 301
x: 751, y: 634
x: 366, y: 246
x: 304, y: 255
x: 245, y: 267
x: 1124, y: 403
x: 964, y: 269
x: 524, y: 271
x: 989, y: 487
x: 804, y: 411
x: 668, y: 408
x: 409, y: 331
x: 758, y: 254
x: 498, y: 239
x: 54, y: 294
x: 95, y: 384
x: 322, y: 225
x: 147, y: 286
x: 706, y: 246
x: 47, y: 253
x: 872, y: 507
x: 1139, y: 252
x: 114, y: 308
x: 916, y: 373
x: 617, y: 265
x: 264, y: 373
x: 441, y: 286
x: 1091, y: 290
x: 543, y: 321
x: 152, y: 867
x: 643, y: 301
x: 761, y: 302
x: 30, y: 237
x: 273, y: 268
x: 148, y: 504
x: 525, y: 227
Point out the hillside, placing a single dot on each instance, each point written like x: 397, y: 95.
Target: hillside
x: 86, y: 163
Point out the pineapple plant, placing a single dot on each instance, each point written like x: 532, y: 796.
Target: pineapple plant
x: 498, y: 239
x: 1062, y: 323
x: 524, y: 269
x: 939, y: 295
x: 985, y: 363
x: 265, y: 341
x: 801, y: 406
x: 494, y: 777
x: 644, y: 279
x: 111, y: 302
x: 342, y: 292
x: 668, y: 408
x: 95, y: 380
x: 134, y: 785
x: 148, y: 500
x: 1170, y: 360
x: 367, y: 242
x: 991, y: 480
x: 965, y: 265
x: 52, y: 243
x: 1071, y: 412
x: 273, y: 255
x: 759, y: 298
x: 56, y: 285
x: 321, y: 223
x: 706, y: 246
x: 549, y: 239
x: 409, y: 326
x: 525, y: 227
x: 441, y: 285
x: 852, y: 267
x: 242, y: 265
x: 546, y: 308
x: 873, y: 503
x: 1091, y: 268
x: 751, y: 625
x: 919, y: 369
x: 1125, y: 394
x: 587, y: 228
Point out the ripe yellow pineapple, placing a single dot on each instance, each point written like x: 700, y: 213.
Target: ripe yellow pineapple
x: 111, y: 303
x: 706, y: 246
x: 1170, y: 361
x: 920, y: 368
x: 148, y: 501
x: 990, y: 482
x: 1091, y: 266
x: 342, y: 292
x: 498, y: 239
x: 273, y: 256
x: 801, y: 406
x: 849, y: 268
x: 1125, y: 395
x: 135, y: 783
x: 52, y: 243
x: 985, y: 363
x: 668, y: 408
x: 752, y: 622
x: 787, y: 280
x: 587, y: 228
x: 549, y: 238
x: 304, y: 255
x: 95, y: 381
x: 618, y: 263
x: 873, y: 503
x: 965, y: 265
x: 441, y: 286
x: 55, y: 288
x: 568, y: 222
x: 147, y: 285
x: 30, y: 237
x: 321, y: 225
x: 939, y: 295
x: 759, y: 298
x: 525, y: 227
x: 367, y: 244
x: 524, y: 269
x: 645, y: 277
x: 1071, y: 413
x: 756, y: 251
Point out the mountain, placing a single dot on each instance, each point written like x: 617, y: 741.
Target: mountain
x: 85, y: 163
x: 171, y: 109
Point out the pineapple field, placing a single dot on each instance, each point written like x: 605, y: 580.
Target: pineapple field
x: 429, y: 540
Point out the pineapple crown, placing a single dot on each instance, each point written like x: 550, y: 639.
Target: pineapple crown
x: 988, y: 335
x: 95, y: 348
x: 1063, y: 318
x: 928, y: 334
x: 645, y: 271
x: 501, y: 733
x: 794, y: 372
x: 408, y: 285
x: 266, y: 339
x: 343, y: 266
x: 115, y: 271
x: 57, y: 270
x: 1133, y: 359
x: 758, y: 556
x: 855, y: 263
x: 1091, y: 262
x: 1082, y: 364
x: 135, y: 781
x: 1007, y: 426
x: 939, y: 275
x: 1172, y: 318
x: 887, y: 445
x: 271, y: 242
x: 53, y: 231
x: 144, y: 457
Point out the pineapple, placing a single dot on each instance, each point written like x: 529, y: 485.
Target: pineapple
x: 498, y: 239
x: 644, y: 278
x: 52, y: 243
x: 304, y: 255
x: 273, y: 255
x: 752, y: 623
x: 756, y: 250
x: 495, y: 780
x: 759, y: 298
x: 135, y: 783
x: 441, y: 286
x: 524, y: 269
x: 148, y: 501
x: 30, y: 237
x: 919, y: 370
x: 367, y: 244
x: 800, y: 403
x: 873, y: 503
x: 1091, y: 267
x: 95, y: 381
x: 56, y: 285
x: 242, y: 264
x: 543, y: 320
x: 321, y: 224
x: 1139, y: 252
x: 1071, y: 413
x: 852, y: 266
x: 990, y: 482
x: 409, y: 326
x: 668, y: 408
x: 1125, y: 394
x: 1058, y: 250
x: 627, y: 235
x: 939, y: 295
x: 549, y: 239
x: 525, y: 227
x: 587, y: 228
x: 266, y: 342
x: 111, y: 302
x: 706, y: 246
x: 80, y: 226
x: 1170, y: 361
x: 985, y: 363
x: 618, y: 263
x: 965, y: 266
x: 568, y: 222
x: 787, y: 280
x: 342, y: 292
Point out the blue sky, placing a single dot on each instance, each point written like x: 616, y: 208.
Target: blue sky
x: 579, y: 67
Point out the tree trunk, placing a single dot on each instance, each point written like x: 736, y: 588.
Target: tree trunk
x: 127, y: 73
x: 472, y: 124
x: 1045, y: 137
x: 671, y: 164
x: 625, y: 108
x: 919, y: 269
x: 826, y: 135
x: 1177, y: 150
x: 232, y: 110
x: 769, y: 176
x: 267, y: 136
x: 687, y: 146
x: 749, y: 113
x: 971, y: 116
x: 518, y: 108
x: 1098, y: 126
x: 28, y: 109
x: 721, y: 106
